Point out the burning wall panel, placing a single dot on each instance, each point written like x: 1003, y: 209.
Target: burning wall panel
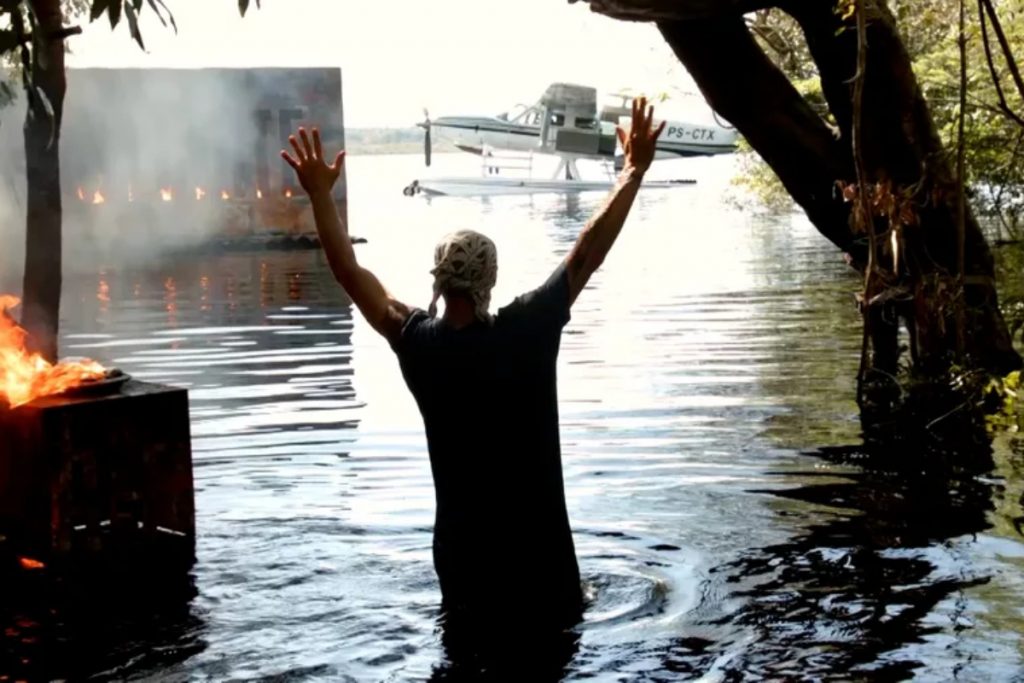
x: 171, y: 157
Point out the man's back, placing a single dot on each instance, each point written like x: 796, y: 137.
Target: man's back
x: 488, y: 396
x: 486, y: 389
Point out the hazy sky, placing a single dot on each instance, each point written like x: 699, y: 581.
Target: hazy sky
x: 397, y: 56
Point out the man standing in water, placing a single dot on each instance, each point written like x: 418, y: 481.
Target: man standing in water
x: 486, y: 388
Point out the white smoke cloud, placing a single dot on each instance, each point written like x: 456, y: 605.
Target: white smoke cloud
x: 147, y: 153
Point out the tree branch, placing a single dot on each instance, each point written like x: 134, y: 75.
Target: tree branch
x: 61, y: 34
x: 675, y: 10
x: 752, y: 93
x: 1004, y: 106
x: 1011, y: 62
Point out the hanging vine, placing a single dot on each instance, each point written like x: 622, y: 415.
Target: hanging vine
x: 862, y: 219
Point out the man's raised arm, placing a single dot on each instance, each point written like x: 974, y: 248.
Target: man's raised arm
x: 600, y: 233
x: 317, y: 178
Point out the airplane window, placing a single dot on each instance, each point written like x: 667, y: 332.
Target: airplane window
x: 584, y: 123
x: 558, y: 119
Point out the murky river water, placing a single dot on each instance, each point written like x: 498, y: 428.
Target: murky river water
x: 705, y: 369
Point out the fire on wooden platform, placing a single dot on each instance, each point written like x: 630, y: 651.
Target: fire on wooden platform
x: 102, y: 472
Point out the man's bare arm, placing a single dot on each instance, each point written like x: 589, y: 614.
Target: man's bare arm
x: 600, y: 233
x: 384, y: 313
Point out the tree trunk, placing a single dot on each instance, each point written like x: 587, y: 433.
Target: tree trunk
x: 903, y: 146
x: 42, y: 281
x: 743, y: 85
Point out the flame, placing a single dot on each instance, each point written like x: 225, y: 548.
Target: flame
x: 29, y: 563
x: 166, y: 194
x: 171, y: 301
x: 200, y: 193
x: 259, y: 193
x: 224, y: 195
x: 103, y: 292
x: 131, y: 195
x: 204, y: 284
x: 25, y: 377
x: 288, y: 192
x: 81, y: 194
x: 98, y: 198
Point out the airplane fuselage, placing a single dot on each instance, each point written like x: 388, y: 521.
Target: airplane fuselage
x: 476, y: 133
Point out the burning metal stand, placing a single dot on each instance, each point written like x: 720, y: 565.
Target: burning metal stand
x: 102, y: 475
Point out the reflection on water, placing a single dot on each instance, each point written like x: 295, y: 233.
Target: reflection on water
x: 723, y: 525
x: 850, y: 590
x: 97, y: 625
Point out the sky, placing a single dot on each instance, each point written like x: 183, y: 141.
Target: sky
x: 399, y: 56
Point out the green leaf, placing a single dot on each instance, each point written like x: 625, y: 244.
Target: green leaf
x: 98, y: 8
x: 159, y: 7
x: 243, y: 6
x: 133, y: 23
x: 8, y: 40
x: 114, y: 13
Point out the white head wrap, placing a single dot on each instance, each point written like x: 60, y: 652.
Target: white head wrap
x: 465, y: 262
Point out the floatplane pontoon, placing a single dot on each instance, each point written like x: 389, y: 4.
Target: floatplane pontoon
x: 565, y: 123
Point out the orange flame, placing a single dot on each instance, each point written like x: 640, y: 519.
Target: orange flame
x: 288, y: 192
x: 103, y: 292
x: 200, y: 193
x: 81, y: 194
x: 25, y: 377
x: 98, y: 198
x: 224, y: 195
x: 29, y: 563
x: 259, y: 193
x: 166, y: 194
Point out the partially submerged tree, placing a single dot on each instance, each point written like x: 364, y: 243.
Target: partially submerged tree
x: 994, y: 140
x: 927, y: 270
x: 34, y: 33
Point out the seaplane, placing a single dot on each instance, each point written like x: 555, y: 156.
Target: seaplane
x: 565, y: 123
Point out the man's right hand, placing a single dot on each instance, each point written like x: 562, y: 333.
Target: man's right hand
x: 315, y: 175
x: 639, y: 143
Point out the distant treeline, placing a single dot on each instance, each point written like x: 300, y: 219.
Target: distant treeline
x: 390, y: 141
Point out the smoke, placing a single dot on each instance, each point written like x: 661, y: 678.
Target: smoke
x: 156, y: 161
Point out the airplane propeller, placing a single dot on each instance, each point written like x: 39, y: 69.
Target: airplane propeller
x: 427, y: 146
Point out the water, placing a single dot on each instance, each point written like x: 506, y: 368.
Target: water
x: 707, y: 369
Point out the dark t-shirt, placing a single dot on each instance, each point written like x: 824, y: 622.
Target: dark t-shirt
x: 488, y: 396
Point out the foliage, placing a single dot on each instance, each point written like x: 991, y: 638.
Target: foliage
x: 994, y: 143
x: 756, y: 178
x: 1003, y: 396
x: 15, y: 46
